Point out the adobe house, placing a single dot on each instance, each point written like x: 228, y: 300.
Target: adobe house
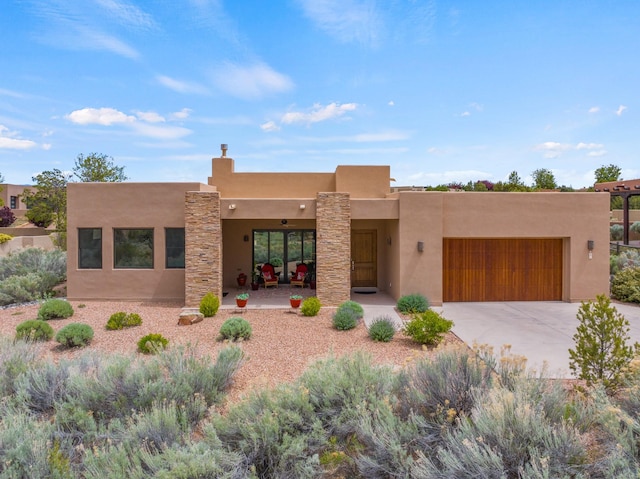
x: 176, y: 241
x: 12, y: 196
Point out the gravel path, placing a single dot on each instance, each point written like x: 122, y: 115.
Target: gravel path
x: 283, y: 343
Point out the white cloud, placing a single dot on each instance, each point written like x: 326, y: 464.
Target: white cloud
x: 318, y: 113
x: 620, y: 110
x: 99, y: 116
x: 436, y: 151
x: 597, y: 153
x: 269, y: 126
x: 594, y: 109
x: 8, y: 140
x: 181, y: 86
x: 251, y: 81
x: 391, y: 103
x: 465, y: 113
x: 150, y: 116
x: 554, y: 149
x: 125, y: 13
x: 182, y: 114
x: 589, y: 146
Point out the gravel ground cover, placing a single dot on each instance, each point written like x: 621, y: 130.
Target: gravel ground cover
x: 283, y: 343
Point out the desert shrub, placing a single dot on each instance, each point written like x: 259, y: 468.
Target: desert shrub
x: 616, y: 232
x: 310, y: 306
x: 15, y: 360
x: 345, y: 319
x: 428, y: 327
x: 152, y: 343
x: 353, y: 306
x: 7, y: 218
x: 55, y: 309
x: 34, y: 330
x: 75, y: 335
x: 42, y: 385
x: 121, y: 320
x: 235, y: 329
x: 382, y: 329
x: 635, y: 227
x: 26, y: 288
x: 5, y: 237
x: 34, y: 260
x: 601, y: 352
x: 626, y: 285
x: 209, y: 305
x: 626, y: 259
x: 412, y: 303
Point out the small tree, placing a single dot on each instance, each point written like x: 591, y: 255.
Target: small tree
x: 601, y: 353
x: 543, y: 179
x: 98, y: 167
x: 607, y: 173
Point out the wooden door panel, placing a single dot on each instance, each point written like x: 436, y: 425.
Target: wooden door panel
x: 364, y: 258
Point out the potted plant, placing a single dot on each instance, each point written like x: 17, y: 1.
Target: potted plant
x: 254, y: 280
x: 241, y: 279
x: 295, y: 300
x: 241, y: 299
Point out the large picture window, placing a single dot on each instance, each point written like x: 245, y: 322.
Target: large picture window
x: 174, y: 241
x: 133, y: 248
x: 89, y: 248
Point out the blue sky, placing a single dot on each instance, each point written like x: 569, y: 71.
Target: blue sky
x: 439, y: 90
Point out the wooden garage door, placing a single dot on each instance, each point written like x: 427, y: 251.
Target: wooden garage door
x: 502, y: 269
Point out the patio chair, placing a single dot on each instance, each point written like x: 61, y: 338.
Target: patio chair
x: 299, y: 276
x: 269, y: 276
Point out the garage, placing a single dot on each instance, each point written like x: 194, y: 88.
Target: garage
x: 502, y: 269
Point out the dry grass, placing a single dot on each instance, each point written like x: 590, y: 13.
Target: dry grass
x: 283, y: 343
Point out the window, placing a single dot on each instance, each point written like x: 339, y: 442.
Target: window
x: 133, y: 248
x: 13, y: 202
x: 174, y: 240
x: 89, y: 248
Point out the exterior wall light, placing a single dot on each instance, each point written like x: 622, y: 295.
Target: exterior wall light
x: 232, y: 206
x: 590, y: 245
x: 420, y: 246
x: 302, y: 207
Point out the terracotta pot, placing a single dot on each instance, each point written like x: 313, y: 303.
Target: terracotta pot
x: 254, y: 286
x: 312, y: 284
x: 241, y: 302
x: 242, y: 279
x: 295, y: 303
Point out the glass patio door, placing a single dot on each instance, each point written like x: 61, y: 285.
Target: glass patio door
x: 284, y: 249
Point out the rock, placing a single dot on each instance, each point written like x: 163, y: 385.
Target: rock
x: 188, y: 318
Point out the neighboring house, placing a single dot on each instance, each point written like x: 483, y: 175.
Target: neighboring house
x: 176, y: 241
x: 11, y: 195
x: 626, y: 190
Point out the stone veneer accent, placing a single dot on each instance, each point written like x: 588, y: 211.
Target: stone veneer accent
x: 333, y: 248
x: 203, y: 246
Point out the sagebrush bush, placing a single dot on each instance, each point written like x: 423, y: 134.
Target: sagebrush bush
x: 345, y: 319
x: 26, y: 288
x: 235, y: 329
x: 412, y: 303
x: 635, y: 227
x: 626, y: 259
x: 209, y: 305
x: 5, y: 237
x: 34, y: 330
x: 34, y: 260
x: 601, y: 352
x: 310, y: 306
x: 382, y: 329
x: 616, y: 232
x: 75, y: 335
x: 152, y: 343
x: 121, y: 320
x: 353, y: 306
x: 7, y: 218
x: 15, y: 359
x: 626, y: 285
x: 55, y: 309
x: 428, y: 327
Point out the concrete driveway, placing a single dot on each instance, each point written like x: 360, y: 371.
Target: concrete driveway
x: 540, y: 331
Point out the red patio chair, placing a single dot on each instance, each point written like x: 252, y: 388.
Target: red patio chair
x: 299, y: 276
x: 269, y: 276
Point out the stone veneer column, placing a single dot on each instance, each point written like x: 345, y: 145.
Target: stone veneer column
x: 203, y: 246
x: 333, y: 248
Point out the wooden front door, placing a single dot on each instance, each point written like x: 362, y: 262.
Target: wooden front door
x: 364, y: 266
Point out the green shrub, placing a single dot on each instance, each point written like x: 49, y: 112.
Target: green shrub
x: 635, y: 227
x: 601, y: 353
x: 616, y: 232
x: 55, y: 309
x: 626, y: 285
x: 345, y: 319
x: 34, y: 330
x: 152, y: 343
x: 235, y: 329
x: 5, y: 237
x: 412, y: 303
x: 353, y: 306
x: 25, y: 288
x: 626, y: 259
x: 209, y: 305
x: 34, y: 260
x: 122, y: 320
x: 428, y: 327
x: 382, y: 329
x: 75, y: 335
x: 310, y: 306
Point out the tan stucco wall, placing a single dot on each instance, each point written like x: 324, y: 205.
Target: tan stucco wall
x: 575, y: 217
x: 20, y: 243
x: 126, y: 205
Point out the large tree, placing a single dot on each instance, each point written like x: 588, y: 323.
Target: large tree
x: 543, y: 179
x: 608, y: 173
x: 98, y: 167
